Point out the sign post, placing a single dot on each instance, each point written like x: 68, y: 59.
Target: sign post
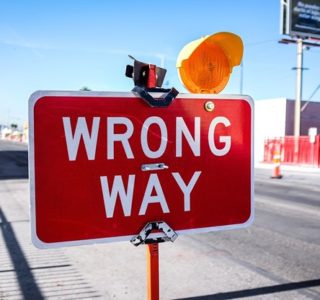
x: 103, y: 165
x: 153, y: 271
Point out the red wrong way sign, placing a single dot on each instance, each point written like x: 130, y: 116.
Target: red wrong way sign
x: 102, y: 165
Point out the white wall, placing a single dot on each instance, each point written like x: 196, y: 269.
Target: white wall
x: 269, y: 121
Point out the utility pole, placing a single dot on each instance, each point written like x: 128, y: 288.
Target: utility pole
x: 297, y: 20
x: 297, y: 106
x: 300, y: 44
x: 297, y: 110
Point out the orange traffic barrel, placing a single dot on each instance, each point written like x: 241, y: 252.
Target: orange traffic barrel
x: 276, y: 165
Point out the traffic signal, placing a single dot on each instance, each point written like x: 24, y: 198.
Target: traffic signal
x: 205, y: 65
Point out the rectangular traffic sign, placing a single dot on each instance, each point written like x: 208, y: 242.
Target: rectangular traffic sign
x: 102, y: 165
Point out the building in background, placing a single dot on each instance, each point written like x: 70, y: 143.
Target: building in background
x: 274, y: 118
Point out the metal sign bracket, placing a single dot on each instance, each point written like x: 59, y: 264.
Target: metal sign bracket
x: 164, y: 101
x: 144, y: 237
x: 148, y: 78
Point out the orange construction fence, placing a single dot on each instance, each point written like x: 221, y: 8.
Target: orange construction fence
x: 300, y: 151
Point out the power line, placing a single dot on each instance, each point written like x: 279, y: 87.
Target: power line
x: 260, y: 43
x: 308, y: 101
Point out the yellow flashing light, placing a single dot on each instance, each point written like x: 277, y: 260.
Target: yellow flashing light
x: 205, y: 65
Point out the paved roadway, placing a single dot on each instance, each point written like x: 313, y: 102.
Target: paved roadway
x: 276, y: 258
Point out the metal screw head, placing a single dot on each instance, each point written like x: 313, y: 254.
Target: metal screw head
x: 209, y: 106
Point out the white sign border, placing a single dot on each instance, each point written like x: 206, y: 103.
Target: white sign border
x: 40, y: 94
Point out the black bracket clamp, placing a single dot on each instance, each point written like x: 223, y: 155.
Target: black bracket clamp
x: 163, y: 101
x: 148, y: 78
x: 166, y: 234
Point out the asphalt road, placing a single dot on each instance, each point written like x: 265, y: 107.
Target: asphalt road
x: 278, y: 257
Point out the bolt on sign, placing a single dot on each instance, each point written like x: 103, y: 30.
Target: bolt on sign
x: 103, y: 165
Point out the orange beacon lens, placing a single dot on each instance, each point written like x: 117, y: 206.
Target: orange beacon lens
x: 205, y: 65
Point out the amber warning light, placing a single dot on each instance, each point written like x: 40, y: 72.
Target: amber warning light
x: 204, y: 65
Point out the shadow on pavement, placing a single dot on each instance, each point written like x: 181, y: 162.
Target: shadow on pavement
x: 13, y: 165
x: 28, y: 286
x: 259, y: 291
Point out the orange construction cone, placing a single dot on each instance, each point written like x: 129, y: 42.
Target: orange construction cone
x: 276, y: 164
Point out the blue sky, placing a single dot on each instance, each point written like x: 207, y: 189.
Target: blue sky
x: 65, y: 45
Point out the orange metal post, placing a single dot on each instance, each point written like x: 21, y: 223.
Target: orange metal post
x: 153, y: 271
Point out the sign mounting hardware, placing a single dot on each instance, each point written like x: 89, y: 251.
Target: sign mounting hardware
x: 154, y: 167
x: 149, y: 78
x: 145, y: 237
